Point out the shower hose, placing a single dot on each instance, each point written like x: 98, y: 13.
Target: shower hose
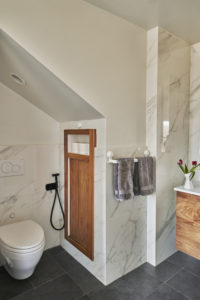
x: 60, y: 204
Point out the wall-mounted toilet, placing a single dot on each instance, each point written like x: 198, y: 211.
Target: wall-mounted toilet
x: 21, y: 247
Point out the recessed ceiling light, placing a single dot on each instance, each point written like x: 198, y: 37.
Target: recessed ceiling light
x: 16, y: 78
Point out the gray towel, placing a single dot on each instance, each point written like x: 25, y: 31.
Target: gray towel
x: 145, y: 175
x: 136, y: 182
x: 123, y: 179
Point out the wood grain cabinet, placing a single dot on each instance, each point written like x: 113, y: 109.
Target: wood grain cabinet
x: 188, y: 224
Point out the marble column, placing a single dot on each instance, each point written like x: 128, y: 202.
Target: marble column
x: 168, y: 72
x: 194, y: 134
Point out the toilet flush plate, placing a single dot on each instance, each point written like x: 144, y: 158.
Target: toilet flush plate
x: 11, y: 167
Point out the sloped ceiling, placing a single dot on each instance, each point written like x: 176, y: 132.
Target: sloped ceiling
x: 181, y: 17
x: 42, y: 88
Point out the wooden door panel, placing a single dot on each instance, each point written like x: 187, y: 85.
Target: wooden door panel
x: 83, y: 189
x: 74, y: 232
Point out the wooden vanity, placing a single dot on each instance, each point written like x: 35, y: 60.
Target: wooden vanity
x: 188, y: 221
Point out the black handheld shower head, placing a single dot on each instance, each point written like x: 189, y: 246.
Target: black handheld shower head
x: 55, y: 174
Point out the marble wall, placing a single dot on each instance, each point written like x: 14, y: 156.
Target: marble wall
x: 126, y: 230
x: 27, y: 133
x: 151, y: 134
x: 98, y: 266
x: 170, y: 104
x: 24, y: 197
x: 194, y: 134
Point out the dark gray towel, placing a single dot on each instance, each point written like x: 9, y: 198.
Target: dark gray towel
x: 123, y: 179
x: 145, y: 176
x: 136, y: 187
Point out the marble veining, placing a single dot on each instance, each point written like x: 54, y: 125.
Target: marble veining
x: 126, y: 229
x: 23, y: 197
x: 171, y: 93
x: 173, y: 105
x: 194, y: 134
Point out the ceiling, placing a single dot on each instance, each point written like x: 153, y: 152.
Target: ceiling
x: 42, y: 88
x: 180, y: 17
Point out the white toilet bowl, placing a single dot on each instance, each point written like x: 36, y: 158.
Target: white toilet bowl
x: 21, y: 247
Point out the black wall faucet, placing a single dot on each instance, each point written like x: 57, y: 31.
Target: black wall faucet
x: 54, y: 185
x: 51, y: 187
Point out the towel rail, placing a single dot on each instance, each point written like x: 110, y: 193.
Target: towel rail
x: 114, y: 161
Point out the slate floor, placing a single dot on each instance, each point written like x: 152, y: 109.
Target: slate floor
x: 59, y: 277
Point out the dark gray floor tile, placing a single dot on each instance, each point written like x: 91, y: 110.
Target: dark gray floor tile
x: 45, y: 255
x: 59, y: 276
x: 144, y: 287
x: 187, y: 284
x: 66, y: 261
x: 55, y: 251
x: 182, y: 259
x: 188, y: 262
x: 10, y: 287
x: 135, y: 285
x: 193, y: 267
x: 138, y: 284
x: 30, y: 295
x: 109, y: 293
x: 59, y: 289
x: 84, y: 279
x: 164, y: 292
x: 46, y: 270
x: 163, y: 271
x: 86, y: 297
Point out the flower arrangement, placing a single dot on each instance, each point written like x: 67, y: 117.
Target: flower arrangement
x: 185, y: 169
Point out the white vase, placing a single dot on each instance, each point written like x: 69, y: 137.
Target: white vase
x: 188, y: 183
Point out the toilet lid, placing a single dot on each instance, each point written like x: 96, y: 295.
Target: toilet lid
x: 22, y: 235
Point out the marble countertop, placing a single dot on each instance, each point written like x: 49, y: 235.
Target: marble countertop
x: 194, y: 191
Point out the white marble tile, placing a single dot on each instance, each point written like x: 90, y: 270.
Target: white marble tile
x: 126, y: 229
x: 151, y: 133
x: 23, y: 197
x: 168, y: 102
x: 194, y: 140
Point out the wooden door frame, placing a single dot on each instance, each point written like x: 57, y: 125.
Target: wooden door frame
x: 90, y: 158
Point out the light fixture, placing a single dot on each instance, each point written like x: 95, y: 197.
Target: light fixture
x: 17, y: 79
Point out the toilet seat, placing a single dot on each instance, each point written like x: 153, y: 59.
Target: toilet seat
x: 20, y: 250
x: 21, y: 247
x: 25, y: 236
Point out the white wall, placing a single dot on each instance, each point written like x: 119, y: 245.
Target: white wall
x: 29, y: 134
x: 23, y: 123
x: 100, y: 56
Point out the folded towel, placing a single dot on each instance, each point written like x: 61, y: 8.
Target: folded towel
x: 123, y: 179
x: 145, y: 175
x: 136, y: 187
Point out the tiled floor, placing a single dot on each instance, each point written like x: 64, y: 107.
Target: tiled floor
x: 58, y: 276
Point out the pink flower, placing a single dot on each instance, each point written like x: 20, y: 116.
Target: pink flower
x: 180, y: 162
x: 194, y: 163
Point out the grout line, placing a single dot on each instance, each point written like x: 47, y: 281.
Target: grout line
x: 189, y: 271
x: 173, y: 275
x: 178, y: 291
x: 49, y: 280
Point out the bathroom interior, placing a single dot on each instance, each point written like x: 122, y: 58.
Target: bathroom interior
x: 96, y: 98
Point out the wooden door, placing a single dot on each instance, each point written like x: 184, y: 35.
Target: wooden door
x: 79, y: 196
